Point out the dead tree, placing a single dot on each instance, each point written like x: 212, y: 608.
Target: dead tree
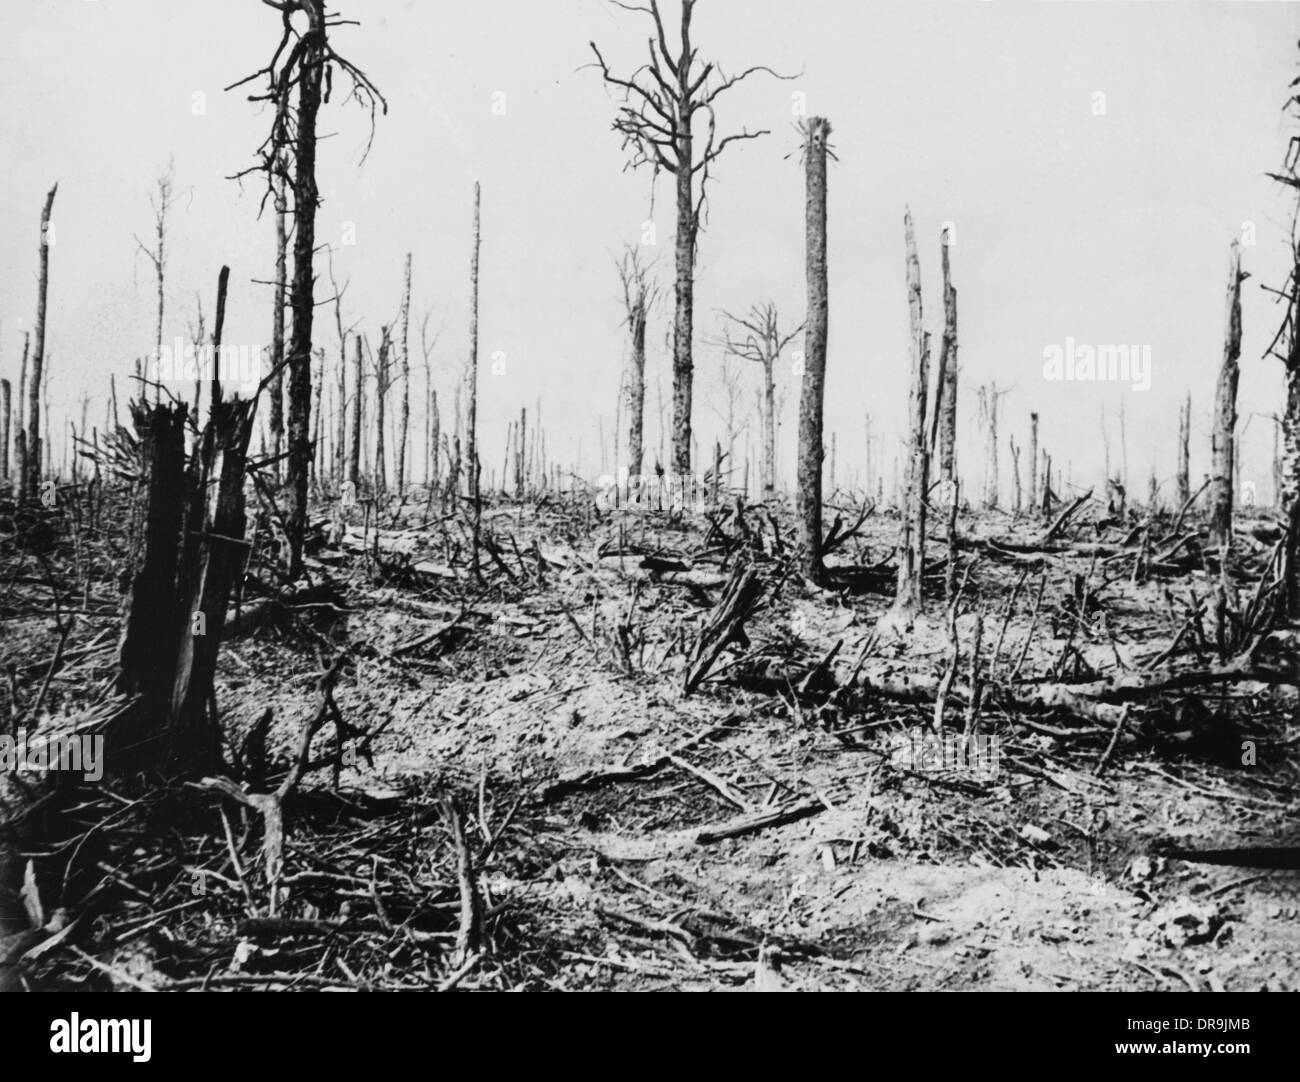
x: 31, y: 477
x: 383, y: 381
x: 358, y: 397
x: 471, y: 424
x: 988, y: 405
x: 816, y: 150
x: 317, y: 388
x: 521, y: 454
x: 404, y: 422
x: 304, y: 61
x: 160, y: 203
x: 1223, y: 438
x: 757, y: 337
x: 662, y: 101
x: 911, y: 549
x: 1183, y: 483
x: 638, y: 294
x: 6, y: 407
x: 340, y: 426
x: 433, y: 426
x: 1015, y: 476
x: 945, y: 413
x: 279, y: 181
x: 1033, y: 462
x: 20, y: 433
x: 189, y: 554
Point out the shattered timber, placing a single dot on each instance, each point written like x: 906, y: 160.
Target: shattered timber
x: 335, y: 671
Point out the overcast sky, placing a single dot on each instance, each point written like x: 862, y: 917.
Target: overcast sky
x: 1096, y: 161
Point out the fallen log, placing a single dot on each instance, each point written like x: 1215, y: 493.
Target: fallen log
x: 759, y: 820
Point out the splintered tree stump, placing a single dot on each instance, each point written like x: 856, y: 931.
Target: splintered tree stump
x: 725, y: 625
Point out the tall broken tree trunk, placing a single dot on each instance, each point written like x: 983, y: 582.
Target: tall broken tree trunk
x: 20, y: 433
x: 151, y: 616
x: 471, y: 424
x: 911, y: 549
x: 302, y: 293
x: 1015, y: 477
x: 684, y: 313
x: 381, y: 393
x: 813, y: 391
x: 339, y: 465
x: 1225, y: 415
x: 769, y: 430
x: 6, y: 407
x: 318, y: 415
x: 1033, y: 462
x: 189, y: 553
x: 1183, y: 484
x: 636, y: 299
x: 404, y: 422
x: 945, y: 415
x: 31, y: 479
x: 279, y: 182
x: 194, y: 738
x: 521, y: 454
x: 435, y: 439
x: 989, y: 415
x: 358, y: 396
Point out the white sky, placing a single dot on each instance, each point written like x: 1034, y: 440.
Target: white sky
x: 1107, y: 229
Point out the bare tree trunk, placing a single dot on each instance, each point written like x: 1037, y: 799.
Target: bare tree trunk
x: 5, y: 410
x: 159, y: 260
x: 684, y: 316
x: 989, y: 406
x: 186, y: 566
x: 435, y: 439
x: 338, y: 467
x: 911, y: 549
x: 1184, y: 484
x: 381, y: 393
x: 636, y: 299
x: 769, y: 430
x: 279, y: 182
x: 946, y: 413
x: 813, y: 391
x: 32, y: 479
x: 1225, y: 414
x: 521, y: 453
x: 405, y: 421
x: 471, y: 431
x: 358, y: 396
x: 20, y: 428
x: 471, y: 427
x: 1033, y: 462
x: 152, y: 616
x: 1015, y: 475
x: 318, y: 393
x: 302, y: 294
